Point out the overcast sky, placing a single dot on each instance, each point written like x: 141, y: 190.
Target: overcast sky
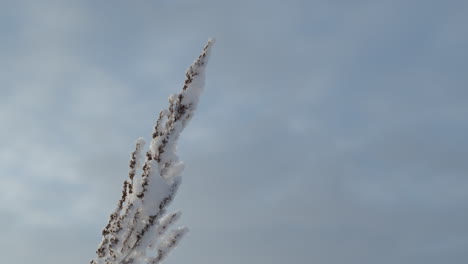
x: 330, y: 132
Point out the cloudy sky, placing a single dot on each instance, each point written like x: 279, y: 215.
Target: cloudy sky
x: 330, y: 132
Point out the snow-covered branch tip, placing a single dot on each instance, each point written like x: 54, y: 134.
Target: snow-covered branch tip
x: 137, y: 231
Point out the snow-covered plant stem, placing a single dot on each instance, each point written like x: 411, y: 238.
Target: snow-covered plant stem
x: 137, y: 229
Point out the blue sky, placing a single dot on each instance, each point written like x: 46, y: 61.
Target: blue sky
x: 329, y: 132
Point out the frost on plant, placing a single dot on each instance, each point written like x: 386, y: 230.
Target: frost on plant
x: 139, y: 230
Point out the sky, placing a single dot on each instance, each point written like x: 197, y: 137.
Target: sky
x: 329, y: 132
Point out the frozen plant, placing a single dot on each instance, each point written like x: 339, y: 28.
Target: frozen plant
x: 138, y: 229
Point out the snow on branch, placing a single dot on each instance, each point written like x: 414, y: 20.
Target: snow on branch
x: 137, y: 231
